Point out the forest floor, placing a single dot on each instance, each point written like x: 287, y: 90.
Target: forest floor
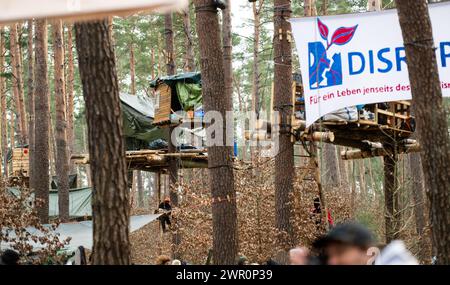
x: 148, y: 242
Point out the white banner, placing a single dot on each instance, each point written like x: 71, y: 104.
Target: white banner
x: 356, y: 59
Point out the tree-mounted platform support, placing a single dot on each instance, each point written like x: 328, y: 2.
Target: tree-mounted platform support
x: 156, y: 160
x: 388, y: 124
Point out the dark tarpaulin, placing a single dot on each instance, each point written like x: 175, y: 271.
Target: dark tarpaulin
x: 188, y: 78
x: 138, y: 128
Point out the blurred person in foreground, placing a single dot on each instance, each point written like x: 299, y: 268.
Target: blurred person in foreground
x: 9, y: 257
x: 299, y: 256
x: 346, y: 244
x: 354, y: 244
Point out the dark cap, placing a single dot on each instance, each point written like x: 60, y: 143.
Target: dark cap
x: 9, y: 257
x: 348, y: 233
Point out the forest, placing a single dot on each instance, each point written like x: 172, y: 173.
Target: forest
x: 179, y: 137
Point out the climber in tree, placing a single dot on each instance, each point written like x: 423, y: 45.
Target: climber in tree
x: 165, y: 209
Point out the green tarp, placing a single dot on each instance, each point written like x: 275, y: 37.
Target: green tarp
x: 79, y: 201
x: 190, y: 95
x: 138, y: 114
x: 186, y: 86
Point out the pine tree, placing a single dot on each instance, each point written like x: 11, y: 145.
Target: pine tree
x: 110, y: 201
x: 62, y: 160
x: 16, y: 63
x: 432, y: 126
x: 284, y: 160
x: 40, y: 174
x: 224, y: 212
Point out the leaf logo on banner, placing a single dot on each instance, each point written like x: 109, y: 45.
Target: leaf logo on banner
x: 323, y: 29
x: 340, y: 37
x: 343, y: 35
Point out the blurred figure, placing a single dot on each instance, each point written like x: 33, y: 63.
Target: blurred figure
x: 316, y: 214
x: 176, y: 262
x: 165, y: 209
x: 9, y: 257
x: 163, y: 260
x: 396, y: 253
x: 271, y: 262
x: 346, y: 244
x: 299, y: 256
x: 242, y: 260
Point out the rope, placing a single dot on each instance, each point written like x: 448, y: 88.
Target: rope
x: 206, y: 9
x: 422, y: 43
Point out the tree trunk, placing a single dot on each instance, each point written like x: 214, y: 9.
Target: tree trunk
x: 30, y: 83
x: 3, y: 126
x: 138, y: 173
x: 257, y: 6
x: 11, y: 130
x: 140, y: 188
x: 52, y: 143
x: 224, y: 212
x: 70, y: 94
x: 310, y: 8
x: 430, y: 117
x: 284, y: 160
x: 189, y: 64
x: 152, y: 64
x: 171, y: 69
x: 110, y: 201
x: 343, y: 168
x: 41, y: 110
x: 227, y: 51
x: 374, y: 5
x: 170, y: 52
x: 352, y: 189
x: 132, y: 70
x: 324, y: 7
x: 18, y: 84
x: 332, y: 175
x: 362, y: 178
x: 373, y: 183
x: 417, y: 189
x: 62, y: 160
x: 391, y: 197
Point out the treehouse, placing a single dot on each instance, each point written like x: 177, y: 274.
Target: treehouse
x: 19, y: 169
x: 177, y: 96
x: 146, y: 123
x: 18, y: 163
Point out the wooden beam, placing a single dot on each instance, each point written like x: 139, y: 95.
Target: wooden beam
x: 360, y: 154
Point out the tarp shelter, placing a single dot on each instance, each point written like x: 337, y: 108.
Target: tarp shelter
x: 79, y: 202
x: 81, y: 233
x: 17, y: 10
x: 138, y: 113
x: 72, y: 182
x: 186, y: 90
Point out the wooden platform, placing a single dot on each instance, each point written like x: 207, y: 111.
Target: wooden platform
x: 156, y: 160
x: 390, y: 125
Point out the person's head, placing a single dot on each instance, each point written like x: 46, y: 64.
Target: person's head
x: 163, y: 260
x: 242, y: 260
x: 298, y: 256
x: 176, y: 262
x: 167, y: 200
x: 346, y: 244
x: 9, y: 257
